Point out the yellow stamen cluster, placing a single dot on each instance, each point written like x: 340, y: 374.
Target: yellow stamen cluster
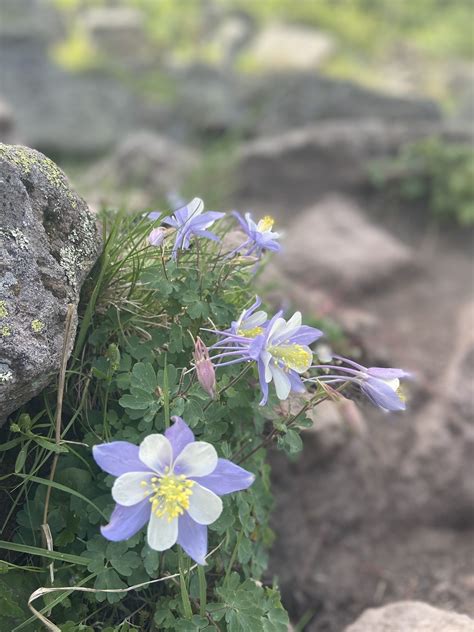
x: 169, y: 494
x: 266, y: 223
x: 401, y: 393
x: 293, y: 356
x: 250, y: 333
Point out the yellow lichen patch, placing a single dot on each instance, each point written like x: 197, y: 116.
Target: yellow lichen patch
x: 3, y: 309
x: 266, y: 223
x: 26, y: 158
x: 37, y: 326
x: 169, y: 495
x: 296, y: 357
x: 5, y: 331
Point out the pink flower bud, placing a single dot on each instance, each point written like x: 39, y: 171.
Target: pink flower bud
x: 156, y: 237
x: 204, y: 368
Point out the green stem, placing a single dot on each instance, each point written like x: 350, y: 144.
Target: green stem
x: 188, y: 613
x: 202, y: 590
x: 166, y: 394
x: 233, y: 556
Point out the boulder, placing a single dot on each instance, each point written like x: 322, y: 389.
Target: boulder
x: 284, y: 46
x: 288, y: 99
x: 49, y: 243
x: 62, y: 113
x: 289, y: 170
x: 143, y: 168
x: 411, y: 616
x: 332, y: 245
x: 211, y: 100
x: 117, y: 32
x: 29, y: 20
x: 7, y: 122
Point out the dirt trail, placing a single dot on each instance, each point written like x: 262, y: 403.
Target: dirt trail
x: 387, y: 514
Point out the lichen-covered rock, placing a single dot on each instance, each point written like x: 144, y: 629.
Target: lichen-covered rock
x: 48, y: 242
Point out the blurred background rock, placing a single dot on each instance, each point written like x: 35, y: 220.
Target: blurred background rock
x: 350, y: 121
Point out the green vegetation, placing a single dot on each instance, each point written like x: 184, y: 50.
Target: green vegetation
x: 373, y: 37
x: 438, y: 173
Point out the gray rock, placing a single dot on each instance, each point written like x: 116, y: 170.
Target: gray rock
x: 49, y: 242
x: 283, y: 46
x: 29, y: 19
x: 212, y: 100
x: 289, y: 171
x: 7, y: 122
x: 332, y: 245
x: 118, y: 32
x: 411, y: 616
x: 284, y: 100
x: 145, y: 166
x: 59, y: 112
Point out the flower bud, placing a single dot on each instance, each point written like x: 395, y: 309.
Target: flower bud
x: 204, y: 368
x: 157, y: 236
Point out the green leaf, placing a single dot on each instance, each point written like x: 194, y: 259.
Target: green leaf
x: 138, y: 401
x: 151, y: 560
x: 21, y: 458
x: 122, y: 560
x: 52, y: 555
x: 144, y: 376
x: 63, y: 488
x: 292, y: 441
x: 107, y: 580
x: 245, y: 550
x: 195, y: 624
x: 49, y: 445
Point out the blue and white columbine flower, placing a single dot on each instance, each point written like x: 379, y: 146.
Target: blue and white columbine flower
x: 250, y: 322
x: 281, y: 352
x: 171, y: 482
x: 380, y: 385
x: 190, y: 221
x: 259, y: 235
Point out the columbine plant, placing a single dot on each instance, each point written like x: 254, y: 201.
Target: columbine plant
x: 280, y: 350
x: 171, y: 482
x: 138, y: 362
x: 189, y: 221
x: 380, y: 385
x: 259, y: 235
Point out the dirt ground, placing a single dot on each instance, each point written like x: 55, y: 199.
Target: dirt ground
x: 386, y: 514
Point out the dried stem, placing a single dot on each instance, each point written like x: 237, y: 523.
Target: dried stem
x: 59, y: 405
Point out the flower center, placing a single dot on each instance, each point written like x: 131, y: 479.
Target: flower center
x: 169, y: 495
x: 266, y: 223
x: 250, y: 333
x: 294, y: 357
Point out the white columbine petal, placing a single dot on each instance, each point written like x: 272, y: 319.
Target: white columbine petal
x: 276, y: 329
x: 128, y: 490
x: 161, y: 534
x: 290, y: 328
x: 205, y: 507
x: 282, y: 382
x: 156, y: 452
x: 197, y: 459
x: 256, y: 319
x: 195, y: 207
x: 393, y: 383
x: 266, y: 358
